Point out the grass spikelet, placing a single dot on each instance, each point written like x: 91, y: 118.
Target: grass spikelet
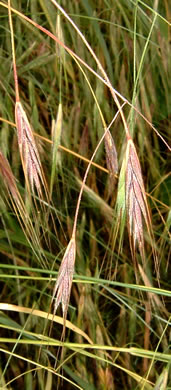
x: 28, y: 150
x: 63, y: 284
x: 136, y: 203
x: 111, y: 154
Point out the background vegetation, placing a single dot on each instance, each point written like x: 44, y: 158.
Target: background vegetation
x: 117, y: 336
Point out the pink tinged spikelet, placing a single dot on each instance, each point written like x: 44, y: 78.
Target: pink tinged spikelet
x: 135, y: 199
x: 28, y: 150
x: 111, y: 154
x: 62, y: 288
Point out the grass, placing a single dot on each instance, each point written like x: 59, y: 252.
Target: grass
x: 84, y: 195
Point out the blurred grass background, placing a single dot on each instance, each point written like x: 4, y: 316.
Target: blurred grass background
x: 49, y: 80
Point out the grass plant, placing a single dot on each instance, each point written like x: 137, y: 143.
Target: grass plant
x: 84, y: 195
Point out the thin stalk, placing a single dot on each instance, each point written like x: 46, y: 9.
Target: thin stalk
x: 13, y: 53
x: 135, y: 28
x: 137, y: 77
x: 86, y: 173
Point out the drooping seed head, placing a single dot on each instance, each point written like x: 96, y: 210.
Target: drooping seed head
x: 28, y: 149
x: 135, y: 199
x: 63, y: 284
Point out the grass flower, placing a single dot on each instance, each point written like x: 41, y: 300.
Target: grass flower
x: 111, y: 154
x: 135, y: 200
x: 28, y: 150
x: 63, y: 284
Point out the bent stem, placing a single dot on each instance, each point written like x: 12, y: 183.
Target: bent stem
x: 87, y: 171
x: 62, y: 288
